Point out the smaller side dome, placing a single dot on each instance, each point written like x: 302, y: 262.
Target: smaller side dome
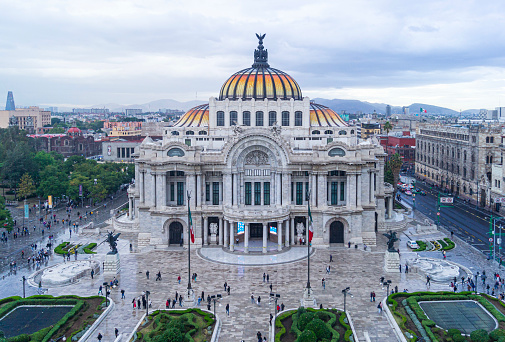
x: 195, y: 117
x: 74, y: 131
x: 322, y: 116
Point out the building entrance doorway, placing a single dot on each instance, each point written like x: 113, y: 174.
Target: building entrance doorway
x: 337, y: 232
x: 256, y: 230
x: 175, y: 233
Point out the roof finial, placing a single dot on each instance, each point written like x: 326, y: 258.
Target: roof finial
x: 260, y: 54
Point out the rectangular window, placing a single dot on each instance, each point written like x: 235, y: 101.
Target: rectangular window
x: 220, y: 118
x: 259, y: 118
x: 266, y: 193
x: 246, y: 118
x: 233, y: 118
x: 299, y: 193
x: 257, y: 193
x: 285, y: 118
x: 207, y: 192
x: 292, y: 192
x: 172, y: 191
x: 247, y: 193
x: 342, y: 191
x: 180, y: 193
x: 306, y: 191
x: 298, y: 118
x: 215, y: 193
x: 118, y: 152
x: 272, y: 118
x: 334, y: 193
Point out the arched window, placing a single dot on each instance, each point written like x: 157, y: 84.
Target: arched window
x: 202, y: 133
x: 233, y: 118
x: 342, y: 132
x: 190, y: 133
x: 259, y: 118
x: 298, y: 118
x: 175, y: 133
x: 328, y: 131
x: 487, y: 140
x: 175, y: 152
x: 316, y: 132
x: 220, y: 118
x: 352, y: 131
x: 246, y: 118
x: 272, y: 118
x: 285, y: 118
x: 336, y: 152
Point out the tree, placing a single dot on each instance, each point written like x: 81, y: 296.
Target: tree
x: 18, y: 162
x: 387, y: 127
x: 395, y: 165
x: 53, y: 182
x: 26, y: 186
x: 56, y: 130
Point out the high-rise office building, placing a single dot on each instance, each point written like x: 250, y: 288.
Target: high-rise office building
x: 10, y: 102
x: 388, y: 111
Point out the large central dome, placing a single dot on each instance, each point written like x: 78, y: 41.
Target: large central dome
x: 260, y: 82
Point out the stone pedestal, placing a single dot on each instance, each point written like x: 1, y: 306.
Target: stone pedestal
x: 189, y: 298
x: 392, y: 262
x: 213, y: 239
x: 112, y: 264
x: 308, y: 300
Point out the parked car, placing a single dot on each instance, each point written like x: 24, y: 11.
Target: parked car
x: 412, y: 244
x: 408, y: 193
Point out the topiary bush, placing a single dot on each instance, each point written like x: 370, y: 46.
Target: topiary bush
x: 496, y: 334
x: 304, y: 319
x: 319, y: 328
x: 323, y: 315
x: 501, y: 339
x: 307, y: 336
x: 459, y: 338
x: 170, y: 335
x: 452, y: 332
x: 479, y: 335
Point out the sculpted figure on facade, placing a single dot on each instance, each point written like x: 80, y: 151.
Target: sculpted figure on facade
x: 213, y: 228
x: 256, y: 158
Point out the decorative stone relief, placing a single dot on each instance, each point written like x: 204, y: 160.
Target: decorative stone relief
x: 213, y: 228
x: 256, y: 158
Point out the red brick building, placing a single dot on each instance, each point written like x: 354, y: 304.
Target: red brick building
x: 404, y: 146
x: 70, y: 144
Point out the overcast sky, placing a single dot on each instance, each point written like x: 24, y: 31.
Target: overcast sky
x: 80, y: 53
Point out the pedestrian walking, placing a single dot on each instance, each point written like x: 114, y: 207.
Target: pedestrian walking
x: 228, y: 309
x: 268, y: 278
x: 228, y: 290
x: 100, y: 290
x: 158, y: 276
x: 428, y: 280
x: 252, y: 298
x: 179, y: 279
x: 122, y: 294
x: 331, y: 258
x: 323, y: 283
x: 134, y: 303
x: 116, y: 332
x: 400, y: 267
x: 259, y: 300
x: 92, y: 273
x: 380, y: 307
x: 406, y: 268
x: 225, y: 286
x: 147, y: 274
x: 373, y: 296
x: 99, y: 337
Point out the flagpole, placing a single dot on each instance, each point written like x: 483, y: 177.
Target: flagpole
x: 308, y: 241
x: 189, y: 245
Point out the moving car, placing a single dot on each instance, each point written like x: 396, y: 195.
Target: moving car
x: 412, y: 244
x: 408, y: 193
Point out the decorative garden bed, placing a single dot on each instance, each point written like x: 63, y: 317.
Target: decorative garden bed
x: 176, y: 325
x: 414, y: 322
x: 64, y: 316
x: 310, y: 325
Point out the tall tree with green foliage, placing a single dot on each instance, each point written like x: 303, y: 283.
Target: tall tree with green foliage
x: 6, y: 220
x: 26, y: 186
x: 395, y: 165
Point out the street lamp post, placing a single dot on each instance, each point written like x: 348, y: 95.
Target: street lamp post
x: 388, y: 282
x: 276, y: 296
x: 476, y: 276
x: 24, y: 281
x: 214, y: 299
x: 106, y: 284
x: 147, y: 303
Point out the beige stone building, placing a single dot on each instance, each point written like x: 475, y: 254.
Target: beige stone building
x: 459, y: 158
x: 248, y: 159
x: 39, y: 117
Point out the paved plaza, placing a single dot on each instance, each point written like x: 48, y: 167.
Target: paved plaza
x: 359, y: 269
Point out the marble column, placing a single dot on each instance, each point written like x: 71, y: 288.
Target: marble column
x: 351, y: 191
x: 232, y: 236
x: 158, y: 191
x: 372, y: 187
x: 278, y: 188
x: 286, y: 189
x: 365, y: 187
x: 205, y: 230
x: 130, y: 208
x: 279, y: 235
x: 246, y: 238
x: 358, y: 180
x: 190, y: 186
x: 227, y: 190
x: 390, y: 207
x: 321, y: 189
x: 273, y: 188
x: 235, y: 189
x: 153, y: 189
x: 202, y: 193
x: 292, y: 227
x: 226, y: 230
x: 141, y: 184
x: 220, y: 231
x: 286, y: 234
x: 313, y: 189
x: 265, y: 232
x: 199, y: 189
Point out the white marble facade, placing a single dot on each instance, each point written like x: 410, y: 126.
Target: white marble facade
x: 251, y: 162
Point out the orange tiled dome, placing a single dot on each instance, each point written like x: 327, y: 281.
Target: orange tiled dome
x: 323, y: 116
x: 195, y: 117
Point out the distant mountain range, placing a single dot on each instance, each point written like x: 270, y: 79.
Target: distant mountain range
x: 338, y: 105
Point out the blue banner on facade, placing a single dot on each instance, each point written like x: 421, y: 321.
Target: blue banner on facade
x: 273, y: 230
x: 240, y: 228
x: 26, y: 211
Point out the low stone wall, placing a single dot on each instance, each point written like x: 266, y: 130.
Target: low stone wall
x: 122, y: 224
x: 58, y: 275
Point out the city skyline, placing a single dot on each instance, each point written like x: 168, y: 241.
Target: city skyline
x: 85, y: 53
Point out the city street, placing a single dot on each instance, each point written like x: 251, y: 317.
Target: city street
x: 464, y: 219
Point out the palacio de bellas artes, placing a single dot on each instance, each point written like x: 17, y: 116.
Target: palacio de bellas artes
x: 250, y: 163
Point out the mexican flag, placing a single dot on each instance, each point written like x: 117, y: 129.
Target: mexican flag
x: 311, y: 227
x: 191, y: 226
x: 421, y: 110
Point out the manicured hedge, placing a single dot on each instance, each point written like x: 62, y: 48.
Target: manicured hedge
x: 89, y: 247
x: 59, y: 249
x: 450, y: 244
x: 422, y: 246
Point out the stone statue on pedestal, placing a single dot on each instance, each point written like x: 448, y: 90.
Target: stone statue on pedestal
x: 213, y: 232
x: 391, y: 242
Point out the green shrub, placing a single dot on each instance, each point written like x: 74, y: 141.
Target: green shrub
x: 19, y: 338
x: 60, y: 248
x: 304, y: 320
x: 501, y: 339
x: 460, y: 338
x: 452, y: 332
x: 323, y: 315
x: 442, y: 243
x: 170, y: 335
x: 88, y: 249
x: 422, y: 246
x: 428, y: 323
x: 450, y: 244
x: 307, y: 336
x: 319, y: 328
x: 479, y: 335
x: 496, y: 334
x: 301, y: 311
